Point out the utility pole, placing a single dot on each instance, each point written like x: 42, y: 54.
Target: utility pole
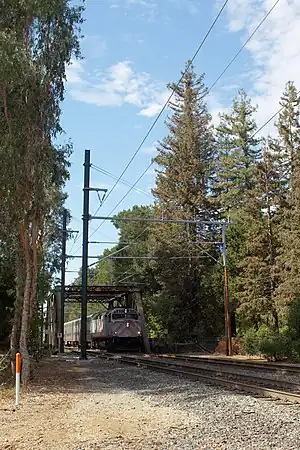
x: 85, y: 238
x: 63, y: 282
x: 226, y: 295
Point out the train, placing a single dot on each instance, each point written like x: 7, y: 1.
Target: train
x: 114, y: 329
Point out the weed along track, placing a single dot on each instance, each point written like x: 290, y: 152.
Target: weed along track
x: 222, y: 374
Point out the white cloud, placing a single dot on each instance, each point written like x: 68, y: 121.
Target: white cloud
x: 151, y: 173
x: 74, y: 72
x: 274, y: 49
x: 144, y: 9
x: 150, y: 150
x: 99, y: 98
x: 147, y: 3
x: 159, y: 98
x: 215, y: 108
x: 118, y: 85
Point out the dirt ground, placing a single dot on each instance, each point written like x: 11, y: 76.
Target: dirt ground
x: 67, y: 407
x: 104, y: 405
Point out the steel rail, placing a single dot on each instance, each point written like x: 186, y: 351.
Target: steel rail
x: 194, y: 373
x: 268, y: 366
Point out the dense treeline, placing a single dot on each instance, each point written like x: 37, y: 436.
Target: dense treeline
x: 227, y: 172
x: 203, y: 172
x: 37, y: 40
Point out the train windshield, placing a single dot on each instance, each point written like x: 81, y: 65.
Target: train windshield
x: 118, y: 315
x: 132, y: 315
x: 121, y: 314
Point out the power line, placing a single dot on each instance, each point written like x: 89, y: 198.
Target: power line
x: 244, y: 45
x: 212, y: 86
x: 268, y: 121
x: 126, y: 183
x: 169, y: 98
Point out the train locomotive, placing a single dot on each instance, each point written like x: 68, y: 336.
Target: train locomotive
x: 115, y: 329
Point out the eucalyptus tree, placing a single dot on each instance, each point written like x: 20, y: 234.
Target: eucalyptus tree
x: 37, y: 40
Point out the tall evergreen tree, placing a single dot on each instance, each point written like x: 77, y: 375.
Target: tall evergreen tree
x: 37, y: 40
x: 288, y: 260
x: 185, y: 161
x: 237, y: 151
x: 288, y: 127
x: 257, y: 280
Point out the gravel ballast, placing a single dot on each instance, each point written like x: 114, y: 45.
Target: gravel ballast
x: 99, y: 404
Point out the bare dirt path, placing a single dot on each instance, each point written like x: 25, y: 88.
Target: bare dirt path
x: 97, y: 404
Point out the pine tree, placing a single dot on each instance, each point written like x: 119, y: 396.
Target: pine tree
x: 257, y: 280
x: 237, y: 151
x: 288, y: 127
x: 183, y: 182
x: 288, y: 260
x: 185, y: 156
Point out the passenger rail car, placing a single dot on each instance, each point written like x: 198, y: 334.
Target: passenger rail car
x: 118, y: 327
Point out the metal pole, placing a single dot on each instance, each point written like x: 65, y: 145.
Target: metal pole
x: 111, y: 271
x: 226, y: 296
x: 42, y: 325
x: 85, y: 238
x: 47, y: 324
x: 63, y: 282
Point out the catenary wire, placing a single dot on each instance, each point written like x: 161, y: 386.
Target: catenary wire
x: 169, y: 98
x: 126, y: 183
x: 213, y: 85
x: 161, y: 111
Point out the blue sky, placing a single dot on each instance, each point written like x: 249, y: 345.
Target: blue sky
x: 132, y: 49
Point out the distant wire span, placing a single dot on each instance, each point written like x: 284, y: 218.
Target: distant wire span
x: 218, y: 78
x: 243, y: 46
x: 161, y: 111
x: 211, y: 87
x: 169, y: 98
x: 126, y: 183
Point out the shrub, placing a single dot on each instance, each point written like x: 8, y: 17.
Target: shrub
x: 250, y: 342
x: 275, y: 347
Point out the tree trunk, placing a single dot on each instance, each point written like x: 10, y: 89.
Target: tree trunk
x: 33, y: 291
x: 26, y: 309
x: 15, y: 333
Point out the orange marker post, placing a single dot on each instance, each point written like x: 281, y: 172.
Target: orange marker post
x: 18, y: 377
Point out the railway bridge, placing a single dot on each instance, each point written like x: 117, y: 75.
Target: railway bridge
x: 123, y: 296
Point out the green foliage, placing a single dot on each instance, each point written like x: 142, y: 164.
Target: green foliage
x: 37, y: 41
x: 237, y: 152
x: 273, y: 345
x: 7, y: 293
x: 250, y: 342
x: 293, y: 318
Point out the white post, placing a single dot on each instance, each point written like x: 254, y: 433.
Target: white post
x: 18, y: 377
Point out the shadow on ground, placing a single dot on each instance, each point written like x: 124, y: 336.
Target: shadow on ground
x: 67, y: 374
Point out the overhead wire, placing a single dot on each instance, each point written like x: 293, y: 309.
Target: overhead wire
x: 126, y: 183
x: 154, y: 123
x: 244, y: 45
x: 169, y: 98
x: 158, y: 117
x: 209, y: 90
x: 161, y: 112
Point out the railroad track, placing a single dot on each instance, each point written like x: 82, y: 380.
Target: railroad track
x: 282, y: 368
x: 183, y: 366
